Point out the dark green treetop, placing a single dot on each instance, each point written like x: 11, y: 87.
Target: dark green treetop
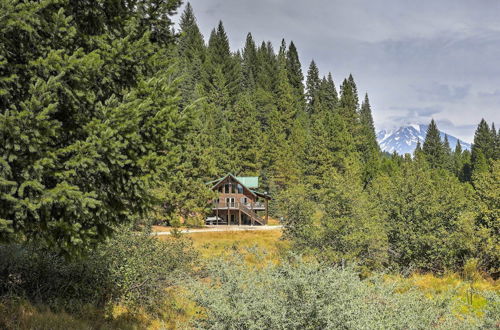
x: 313, y: 84
x: 249, y: 65
x: 294, y: 71
x: 349, y: 103
x: 433, y: 147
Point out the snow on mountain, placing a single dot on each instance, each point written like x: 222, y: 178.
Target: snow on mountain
x: 404, y: 139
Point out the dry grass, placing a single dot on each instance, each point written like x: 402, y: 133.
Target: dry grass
x: 21, y: 314
x: 466, y: 294
x: 273, y: 222
x: 217, y: 244
x: 163, y: 228
x: 179, y: 310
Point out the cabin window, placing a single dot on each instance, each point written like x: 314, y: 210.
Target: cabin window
x: 240, y: 189
x: 227, y: 189
x: 221, y: 189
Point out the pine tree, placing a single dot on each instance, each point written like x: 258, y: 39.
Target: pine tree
x: 497, y: 144
x: 487, y: 186
x: 155, y: 17
x: 367, y: 125
x: 313, y: 84
x: 327, y: 94
x: 331, y: 146
x: 223, y: 73
x: 418, y: 153
x: 245, y: 134
x: 285, y: 102
x: 249, y: 65
x: 458, y: 148
x: 94, y: 121
x: 190, y: 43
x: 186, y: 194
x: 349, y: 103
x: 483, y: 148
x: 418, y: 148
x: 191, y: 53
x: 457, y: 160
x: 294, y: 71
x: 496, y: 141
x: 466, y: 173
x: 332, y: 90
x: 433, y: 148
x: 267, y: 68
x: 219, y: 50
x: 283, y: 166
x: 368, y: 148
x: 448, y: 157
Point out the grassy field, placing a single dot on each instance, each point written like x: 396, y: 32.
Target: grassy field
x: 271, y: 222
x: 179, y: 310
x: 219, y: 244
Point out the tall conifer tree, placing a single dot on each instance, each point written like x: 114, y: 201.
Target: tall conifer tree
x: 313, y: 84
x: 368, y: 147
x: 191, y: 53
x: 349, y: 103
x: 483, y: 147
x: 433, y: 147
x: 417, y: 153
x: 448, y: 156
x: 327, y: 94
x: 294, y: 71
x: 93, y: 121
x: 249, y: 65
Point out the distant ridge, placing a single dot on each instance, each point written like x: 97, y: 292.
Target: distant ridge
x: 404, y: 139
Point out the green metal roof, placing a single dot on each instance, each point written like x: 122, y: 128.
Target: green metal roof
x: 249, y: 181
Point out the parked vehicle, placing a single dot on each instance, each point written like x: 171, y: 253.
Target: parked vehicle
x: 214, y: 220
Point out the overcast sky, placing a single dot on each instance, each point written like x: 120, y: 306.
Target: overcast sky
x: 416, y: 59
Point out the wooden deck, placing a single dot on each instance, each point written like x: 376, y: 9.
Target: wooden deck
x: 236, y: 205
x: 247, y: 208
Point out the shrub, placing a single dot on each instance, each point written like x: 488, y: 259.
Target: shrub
x: 132, y: 269
x: 307, y: 295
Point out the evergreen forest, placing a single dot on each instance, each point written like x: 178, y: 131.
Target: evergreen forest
x: 113, y: 119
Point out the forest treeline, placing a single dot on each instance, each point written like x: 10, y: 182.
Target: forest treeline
x: 109, y: 115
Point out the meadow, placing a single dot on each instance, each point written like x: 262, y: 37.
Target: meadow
x: 258, y: 248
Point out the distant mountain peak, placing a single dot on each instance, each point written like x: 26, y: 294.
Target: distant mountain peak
x: 404, y: 139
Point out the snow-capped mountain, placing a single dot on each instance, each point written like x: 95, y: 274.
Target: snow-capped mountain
x: 404, y: 139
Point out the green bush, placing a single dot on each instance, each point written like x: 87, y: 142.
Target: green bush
x: 307, y: 295
x: 131, y: 268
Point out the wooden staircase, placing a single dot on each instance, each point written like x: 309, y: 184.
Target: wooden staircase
x: 254, y: 217
x: 251, y: 214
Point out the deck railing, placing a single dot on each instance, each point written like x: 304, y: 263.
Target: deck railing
x: 248, y: 208
x: 236, y: 205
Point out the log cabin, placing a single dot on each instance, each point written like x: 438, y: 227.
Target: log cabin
x: 238, y: 202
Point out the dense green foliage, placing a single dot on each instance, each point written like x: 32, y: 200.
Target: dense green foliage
x: 304, y: 295
x: 116, y: 273
x: 89, y: 117
x: 118, y: 115
x: 108, y: 115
